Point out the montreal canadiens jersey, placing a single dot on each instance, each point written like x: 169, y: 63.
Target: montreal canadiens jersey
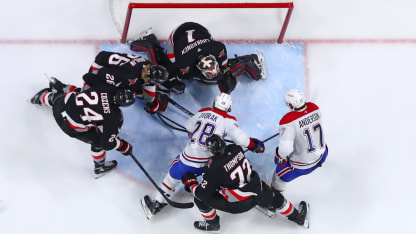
x: 205, y: 123
x: 302, y: 137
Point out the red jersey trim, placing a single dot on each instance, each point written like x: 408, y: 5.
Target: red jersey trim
x: 294, y: 115
x: 219, y: 112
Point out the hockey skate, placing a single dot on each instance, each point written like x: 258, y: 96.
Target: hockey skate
x: 303, y: 217
x: 212, y: 226
x: 103, y: 168
x: 58, y: 86
x: 37, y: 98
x: 151, y: 207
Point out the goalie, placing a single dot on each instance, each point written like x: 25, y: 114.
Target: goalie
x: 192, y: 53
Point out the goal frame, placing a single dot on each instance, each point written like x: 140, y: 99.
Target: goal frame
x: 135, y: 5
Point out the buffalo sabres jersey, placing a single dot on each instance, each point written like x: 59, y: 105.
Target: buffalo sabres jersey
x: 122, y: 71
x: 205, y: 123
x: 189, y: 41
x: 302, y: 137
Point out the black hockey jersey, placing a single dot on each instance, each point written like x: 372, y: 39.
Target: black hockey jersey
x: 122, y: 71
x: 188, y: 42
x: 230, y: 175
x: 94, y: 108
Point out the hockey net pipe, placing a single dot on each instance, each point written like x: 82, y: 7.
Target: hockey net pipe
x: 277, y: 5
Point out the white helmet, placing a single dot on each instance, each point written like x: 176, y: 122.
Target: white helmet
x: 208, y: 66
x: 295, y: 99
x: 223, y: 102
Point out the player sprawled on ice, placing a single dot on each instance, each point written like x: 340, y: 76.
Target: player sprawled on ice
x: 302, y: 147
x: 206, y: 122
x: 132, y: 72
x: 192, y: 53
x: 92, y: 116
x: 230, y: 184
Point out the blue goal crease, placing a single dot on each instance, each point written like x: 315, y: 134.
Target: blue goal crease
x: 257, y: 105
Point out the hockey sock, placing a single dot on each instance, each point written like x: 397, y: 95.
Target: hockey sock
x: 168, y: 186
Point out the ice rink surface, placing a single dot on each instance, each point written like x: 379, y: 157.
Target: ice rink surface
x: 354, y: 59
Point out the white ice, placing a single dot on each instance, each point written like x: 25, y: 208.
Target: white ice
x: 358, y: 67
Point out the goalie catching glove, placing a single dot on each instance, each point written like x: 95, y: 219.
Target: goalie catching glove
x: 256, y: 145
x: 125, y: 148
x: 279, y: 161
x: 189, y: 181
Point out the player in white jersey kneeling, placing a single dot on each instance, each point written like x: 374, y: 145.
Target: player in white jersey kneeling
x: 206, y: 122
x: 302, y: 146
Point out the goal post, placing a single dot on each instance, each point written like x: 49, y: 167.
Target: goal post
x: 141, y: 7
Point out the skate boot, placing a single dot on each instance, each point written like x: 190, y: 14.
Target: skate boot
x: 41, y: 97
x: 301, y: 217
x: 151, y: 207
x: 173, y: 84
x: 101, y: 168
x: 212, y: 226
x: 60, y: 87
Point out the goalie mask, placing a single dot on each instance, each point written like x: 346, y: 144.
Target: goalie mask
x: 223, y: 102
x: 216, y: 145
x: 208, y: 66
x: 124, y: 97
x: 295, y: 99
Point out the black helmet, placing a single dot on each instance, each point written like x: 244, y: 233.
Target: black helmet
x: 124, y: 97
x: 158, y: 74
x: 215, y: 144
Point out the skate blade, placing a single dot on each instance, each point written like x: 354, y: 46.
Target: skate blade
x: 146, y: 211
x: 267, y: 212
x: 307, y: 219
x: 263, y: 67
x: 97, y: 176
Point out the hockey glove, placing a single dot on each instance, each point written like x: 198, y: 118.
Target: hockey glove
x: 152, y: 107
x: 256, y: 145
x: 125, y: 148
x: 189, y: 180
x: 279, y: 161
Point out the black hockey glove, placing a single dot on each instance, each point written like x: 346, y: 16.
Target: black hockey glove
x: 125, y: 148
x: 226, y: 82
x: 189, y: 180
x: 152, y: 107
x: 257, y: 146
x: 279, y: 161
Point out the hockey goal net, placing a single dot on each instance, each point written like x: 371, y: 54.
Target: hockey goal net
x: 233, y: 20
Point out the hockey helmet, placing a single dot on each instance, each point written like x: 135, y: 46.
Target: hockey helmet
x: 158, y: 74
x: 295, y: 99
x: 223, y: 102
x: 215, y: 144
x: 208, y: 66
x: 124, y: 97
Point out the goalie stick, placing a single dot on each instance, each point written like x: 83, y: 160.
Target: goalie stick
x: 170, y: 202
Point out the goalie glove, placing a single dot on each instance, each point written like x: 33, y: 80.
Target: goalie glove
x: 189, y: 181
x: 279, y: 161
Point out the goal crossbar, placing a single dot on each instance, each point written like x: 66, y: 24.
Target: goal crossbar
x: 133, y: 5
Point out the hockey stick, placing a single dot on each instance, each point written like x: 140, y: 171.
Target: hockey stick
x: 170, y: 202
x: 265, y: 140
x: 163, y: 118
x: 177, y: 105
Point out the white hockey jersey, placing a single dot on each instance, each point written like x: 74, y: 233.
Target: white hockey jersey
x: 302, y: 137
x: 205, y: 123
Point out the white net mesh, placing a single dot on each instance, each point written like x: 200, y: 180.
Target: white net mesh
x: 224, y: 24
